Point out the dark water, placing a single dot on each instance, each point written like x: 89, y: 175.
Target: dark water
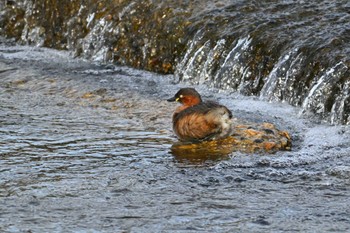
x: 87, y: 148
x: 289, y: 51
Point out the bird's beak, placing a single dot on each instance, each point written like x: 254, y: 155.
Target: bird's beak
x: 173, y: 99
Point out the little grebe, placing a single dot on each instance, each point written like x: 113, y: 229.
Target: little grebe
x: 196, y: 120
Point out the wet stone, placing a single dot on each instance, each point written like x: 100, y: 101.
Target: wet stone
x: 268, y: 131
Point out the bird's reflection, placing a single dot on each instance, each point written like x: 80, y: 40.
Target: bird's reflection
x: 203, y: 152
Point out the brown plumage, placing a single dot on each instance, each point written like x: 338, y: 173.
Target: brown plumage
x: 196, y: 120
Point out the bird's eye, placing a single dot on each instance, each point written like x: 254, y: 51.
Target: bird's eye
x: 181, y: 96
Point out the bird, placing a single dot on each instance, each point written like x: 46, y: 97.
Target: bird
x: 197, y: 120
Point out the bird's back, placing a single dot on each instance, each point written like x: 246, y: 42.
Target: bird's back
x: 204, y: 121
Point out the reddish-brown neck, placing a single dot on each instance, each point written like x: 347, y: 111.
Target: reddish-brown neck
x: 189, y: 101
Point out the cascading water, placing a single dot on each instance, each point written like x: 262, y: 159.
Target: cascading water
x: 289, y: 51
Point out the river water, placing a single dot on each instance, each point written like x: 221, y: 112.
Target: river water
x: 86, y: 147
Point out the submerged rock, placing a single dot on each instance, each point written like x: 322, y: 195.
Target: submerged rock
x: 251, y: 138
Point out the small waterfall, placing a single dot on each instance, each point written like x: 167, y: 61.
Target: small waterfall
x: 295, y: 52
x: 233, y: 73
x: 214, y: 65
x: 323, y: 98
x: 278, y: 84
x: 340, y: 112
x: 192, y: 62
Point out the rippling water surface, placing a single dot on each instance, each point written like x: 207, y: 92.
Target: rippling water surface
x: 87, y: 148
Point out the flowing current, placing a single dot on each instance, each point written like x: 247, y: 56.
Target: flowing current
x: 86, y: 147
